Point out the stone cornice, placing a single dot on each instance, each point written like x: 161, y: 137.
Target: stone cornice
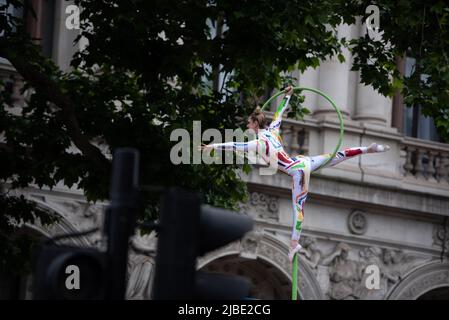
x: 285, y: 230
x: 356, y: 193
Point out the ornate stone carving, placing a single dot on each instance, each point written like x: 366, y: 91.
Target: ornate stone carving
x: 374, y: 256
x: 357, y: 222
x: 421, y: 280
x: 71, y: 218
x: 243, y: 208
x: 341, y: 274
x: 255, y: 248
x: 145, y: 244
x: 85, y: 213
x: 140, y: 270
x: 231, y: 248
x: 140, y: 275
x: 440, y: 236
x: 310, y: 251
x: 141, y: 266
x: 308, y: 286
x: 249, y: 245
x: 344, y: 274
x: 392, y: 264
x: 83, y: 216
x: 263, y: 206
x: 426, y: 282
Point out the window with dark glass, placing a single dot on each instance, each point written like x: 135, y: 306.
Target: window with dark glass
x: 415, y: 124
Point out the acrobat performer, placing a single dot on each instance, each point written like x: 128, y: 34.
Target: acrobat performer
x: 268, y: 145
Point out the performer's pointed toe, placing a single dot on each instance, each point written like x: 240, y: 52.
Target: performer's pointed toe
x: 292, y: 252
x: 374, y: 147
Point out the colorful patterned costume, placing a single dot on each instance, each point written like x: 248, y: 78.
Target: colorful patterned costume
x: 268, y: 145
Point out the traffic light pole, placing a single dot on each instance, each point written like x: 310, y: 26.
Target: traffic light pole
x: 188, y: 230
x: 120, y: 219
x: 176, y: 252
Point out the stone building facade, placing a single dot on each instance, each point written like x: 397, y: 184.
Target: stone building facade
x: 386, y: 210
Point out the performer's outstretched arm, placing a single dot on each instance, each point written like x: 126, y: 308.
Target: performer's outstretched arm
x: 276, y: 123
x: 250, y: 146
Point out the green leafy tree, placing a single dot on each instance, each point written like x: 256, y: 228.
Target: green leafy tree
x: 418, y: 29
x: 150, y: 67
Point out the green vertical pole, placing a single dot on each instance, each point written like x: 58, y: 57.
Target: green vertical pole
x: 295, y: 278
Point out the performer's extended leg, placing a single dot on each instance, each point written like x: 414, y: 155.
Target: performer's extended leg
x: 316, y: 162
x: 299, y: 195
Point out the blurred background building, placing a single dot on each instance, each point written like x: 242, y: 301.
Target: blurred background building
x: 389, y: 210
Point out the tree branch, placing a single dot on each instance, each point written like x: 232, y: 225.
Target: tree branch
x: 52, y: 90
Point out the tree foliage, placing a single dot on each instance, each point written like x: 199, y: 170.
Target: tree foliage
x: 417, y: 29
x: 150, y: 67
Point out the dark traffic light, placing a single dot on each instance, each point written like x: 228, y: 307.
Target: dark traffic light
x: 120, y: 218
x: 189, y: 230
x: 68, y: 272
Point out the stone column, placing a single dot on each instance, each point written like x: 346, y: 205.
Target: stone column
x: 371, y: 106
x: 397, y: 116
x: 63, y: 38
x: 334, y: 80
x: 309, y: 79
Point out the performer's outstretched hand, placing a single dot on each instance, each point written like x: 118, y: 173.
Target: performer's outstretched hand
x: 289, y: 90
x: 204, y: 147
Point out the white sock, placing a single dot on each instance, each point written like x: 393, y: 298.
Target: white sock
x: 379, y: 147
x: 292, y: 252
